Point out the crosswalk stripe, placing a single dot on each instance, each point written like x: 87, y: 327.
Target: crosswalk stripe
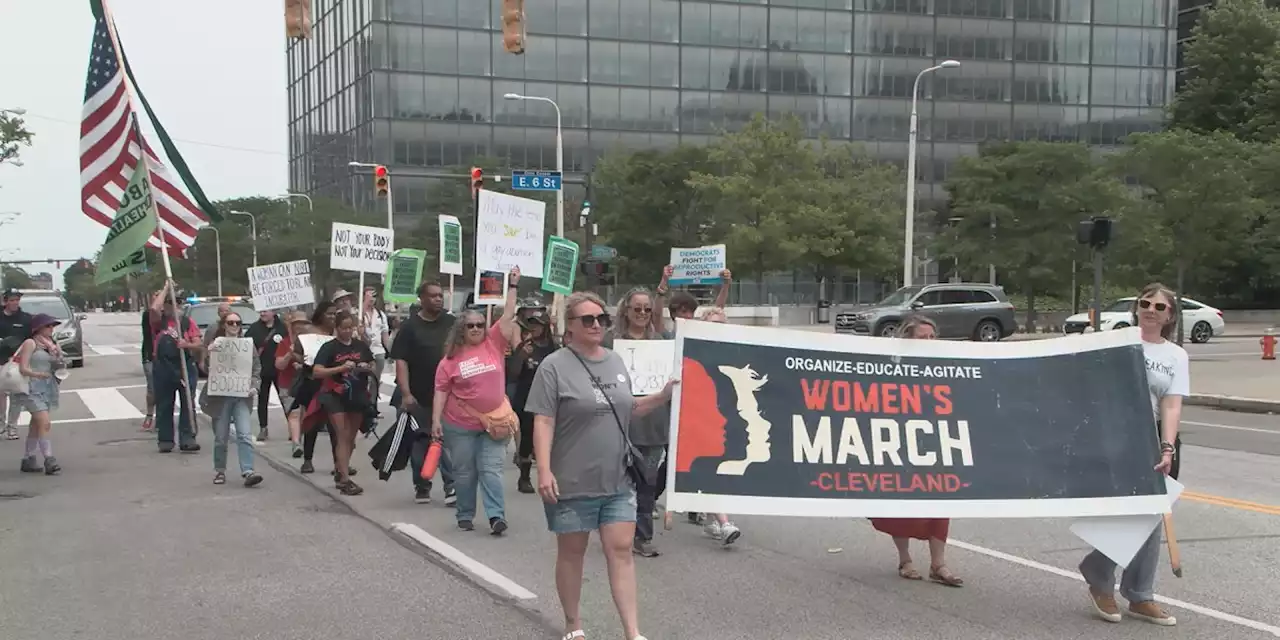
x: 106, y: 351
x: 109, y: 404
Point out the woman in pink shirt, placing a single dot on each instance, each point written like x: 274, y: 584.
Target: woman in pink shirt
x: 471, y: 412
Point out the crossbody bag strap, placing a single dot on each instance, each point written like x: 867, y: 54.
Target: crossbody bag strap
x: 612, y: 409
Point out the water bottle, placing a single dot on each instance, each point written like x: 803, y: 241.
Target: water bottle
x: 432, y: 460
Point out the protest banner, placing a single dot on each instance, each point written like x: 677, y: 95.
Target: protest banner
x: 450, y: 246
x: 774, y: 422
x: 490, y: 288
x: 649, y: 362
x: 699, y: 265
x: 359, y: 248
x: 231, y: 367
x: 135, y: 222
x: 561, y: 266
x: 404, y: 274
x: 311, y: 343
x: 509, y: 233
x: 281, y: 285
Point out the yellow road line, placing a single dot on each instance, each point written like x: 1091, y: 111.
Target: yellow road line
x: 1231, y: 503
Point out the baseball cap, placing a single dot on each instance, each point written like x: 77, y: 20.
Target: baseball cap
x: 12, y: 293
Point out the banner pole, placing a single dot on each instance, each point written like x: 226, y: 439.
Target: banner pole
x: 451, y: 292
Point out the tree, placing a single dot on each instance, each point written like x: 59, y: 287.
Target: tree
x: 16, y: 277
x: 1034, y: 194
x: 1231, y: 61
x: 13, y: 136
x: 1198, y: 189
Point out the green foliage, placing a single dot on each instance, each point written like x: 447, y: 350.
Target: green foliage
x: 16, y: 278
x: 13, y: 136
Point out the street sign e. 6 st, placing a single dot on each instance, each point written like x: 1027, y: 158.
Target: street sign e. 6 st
x: 536, y: 180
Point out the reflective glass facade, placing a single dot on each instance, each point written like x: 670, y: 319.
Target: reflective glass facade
x: 419, y: 83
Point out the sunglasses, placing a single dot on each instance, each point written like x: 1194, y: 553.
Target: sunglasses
x: 475, y: 325
x: 591, y: 321
x: 642, y: 310
x: 1147, y: 304
x: 234, y: 323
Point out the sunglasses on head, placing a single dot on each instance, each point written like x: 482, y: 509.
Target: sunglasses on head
x: 1147, y: 304
x: 591, y: 321
x: 475, y: 325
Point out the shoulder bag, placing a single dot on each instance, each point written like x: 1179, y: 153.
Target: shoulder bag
x: 11, y: 379
x: 631, y: 460
x: 499, y: 423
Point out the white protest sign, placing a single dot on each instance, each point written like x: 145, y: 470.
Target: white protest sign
x: 699, y: 265
x: 231, y: 367
x: 280, y: 285
x: 357, y: 248
x: 650, y: 363
x: 311, y: 343
x: 509, y: 234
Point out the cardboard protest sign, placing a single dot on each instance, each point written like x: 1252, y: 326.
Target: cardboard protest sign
x: 509, y: 234
x: 231, y: 367
x: 359, y: 248
x: 649, y: 362
x: 699, y: 265
x: 311, y: 343
x: 561, y: 266
x: 281, y: 285
x: 490, y: 287
x: 404, y: 274
x: 450, y: 246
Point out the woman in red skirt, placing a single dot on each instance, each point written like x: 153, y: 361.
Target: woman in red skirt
x: 934, y: 530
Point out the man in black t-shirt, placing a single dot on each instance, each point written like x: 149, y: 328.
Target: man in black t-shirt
x: 15, y: 327
x: 417, y: 351
x: 266, y: 333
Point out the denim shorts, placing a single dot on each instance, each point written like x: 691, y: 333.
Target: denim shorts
x: 578, y: 515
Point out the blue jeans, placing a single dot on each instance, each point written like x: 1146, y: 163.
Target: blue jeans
x: 233, y: 410
x: 1137, y: 582
x: 168, y: 390
x: 476, y: 459
x: 418, y: 452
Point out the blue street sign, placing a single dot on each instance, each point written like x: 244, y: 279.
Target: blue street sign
x: 603, y: 252
x: 535, y: 180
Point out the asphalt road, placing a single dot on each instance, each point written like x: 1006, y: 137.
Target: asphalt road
x: 243, y: 573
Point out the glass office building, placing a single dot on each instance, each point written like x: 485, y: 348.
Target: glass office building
x: 420, y: 83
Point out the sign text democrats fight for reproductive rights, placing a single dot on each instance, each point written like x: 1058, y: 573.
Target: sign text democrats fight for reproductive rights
x: 776, y: 422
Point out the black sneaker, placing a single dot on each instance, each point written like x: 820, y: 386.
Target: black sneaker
x: 51, y: 466
x: 252, y: 479
x: 422, y: 495
x: 497, y: 526
x: 189, y: 448
x: 29, y: 465
x: 166, y: 447
x: 450, y: 497
x: 307, y: 467
x: 524, y: 485
x: 297, y: 450
x: 466, y: 525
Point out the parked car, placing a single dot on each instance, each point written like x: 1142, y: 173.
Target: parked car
x: 69, y: 335
x: 1199, y: 320
x: 966, y: 311
x: 204, y: 311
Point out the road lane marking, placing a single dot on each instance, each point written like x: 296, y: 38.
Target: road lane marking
x: 1215, y: 425
x: 108, y: 404
x: 104, y: 350
x: 464, y: 561
x: 1072, y: 575
x: 1231, y: 503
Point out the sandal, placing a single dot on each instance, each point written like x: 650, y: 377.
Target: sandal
x: 219, y: 478
x: 908, y: 572
x: 575, y: 634
x: 942, y: 575
x: 350, y: 488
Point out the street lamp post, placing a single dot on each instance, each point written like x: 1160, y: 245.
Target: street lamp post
x: 908, y: 254
x: 390, y: 191
x: 253, y: 229
x: 217, y: 247
x: 560, y: 310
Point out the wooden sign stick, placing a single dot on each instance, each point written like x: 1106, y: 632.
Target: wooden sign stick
x: 1175, y: 558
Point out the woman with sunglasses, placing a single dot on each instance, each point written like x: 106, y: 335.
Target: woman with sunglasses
x: 583, y: 408
x: 639, y: 319
x: 226, y: 411
x: 470, y: 410
x: 932, y: 530
x: 1168, y: 382
x: 343, y: 366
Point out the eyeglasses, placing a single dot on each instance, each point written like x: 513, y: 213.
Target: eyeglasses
x: 591, y: 321
x: 642, y: 310
x: 475, y: 325
x: 1147, y: 304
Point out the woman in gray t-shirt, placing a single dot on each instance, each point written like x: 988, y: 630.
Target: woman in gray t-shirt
x: 582, y: 406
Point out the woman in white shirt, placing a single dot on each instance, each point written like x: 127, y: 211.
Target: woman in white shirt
x: 376, y: 335
x: 1168, y: 382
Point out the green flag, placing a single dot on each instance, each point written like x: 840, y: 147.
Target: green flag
x: 135, y: 223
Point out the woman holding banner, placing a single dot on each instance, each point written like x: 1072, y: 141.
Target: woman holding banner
x: 932, y: 530
x: 343, y: 366
x: 226, y: 411
x: 1168, y: 382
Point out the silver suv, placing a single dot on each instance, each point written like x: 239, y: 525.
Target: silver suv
x: 961, y: 310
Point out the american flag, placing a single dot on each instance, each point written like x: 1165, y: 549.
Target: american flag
x: 110, y: 149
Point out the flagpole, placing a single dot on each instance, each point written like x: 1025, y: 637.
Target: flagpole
x: 164, y: 245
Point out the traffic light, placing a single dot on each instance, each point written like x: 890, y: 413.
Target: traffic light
x: 1095, y: 232
x: 594, y: 268
x: 477, y: 181
x: 381, y: 181
x: 513, y: 26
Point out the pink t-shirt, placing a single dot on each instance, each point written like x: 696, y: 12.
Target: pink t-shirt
x: 477, y: 376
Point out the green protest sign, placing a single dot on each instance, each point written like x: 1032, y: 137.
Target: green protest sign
x: 404, y: 274
x: 450, y: 245
x: 561, y: 265
x: 135, y: 222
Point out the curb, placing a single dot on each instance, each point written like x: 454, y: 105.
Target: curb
x: 427, y: 553
x: 1233, y: 403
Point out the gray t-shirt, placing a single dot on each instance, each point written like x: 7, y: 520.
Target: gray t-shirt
x: 588, y: 451
x: 654, y: 429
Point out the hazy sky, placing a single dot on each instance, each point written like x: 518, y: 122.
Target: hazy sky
x: 213, y: 71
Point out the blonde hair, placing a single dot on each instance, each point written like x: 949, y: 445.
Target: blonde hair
x: 457, y: 337
x: 574, y: 301
x: 909, y: 326
x: 714, y: 311
x: 1175, y: 312
x: 623, y: 323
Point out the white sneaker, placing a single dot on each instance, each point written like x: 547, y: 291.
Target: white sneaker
x: 729, y: 533
x: 712, y: 529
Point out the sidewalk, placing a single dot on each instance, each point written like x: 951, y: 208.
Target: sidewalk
x: 1251, y: 386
